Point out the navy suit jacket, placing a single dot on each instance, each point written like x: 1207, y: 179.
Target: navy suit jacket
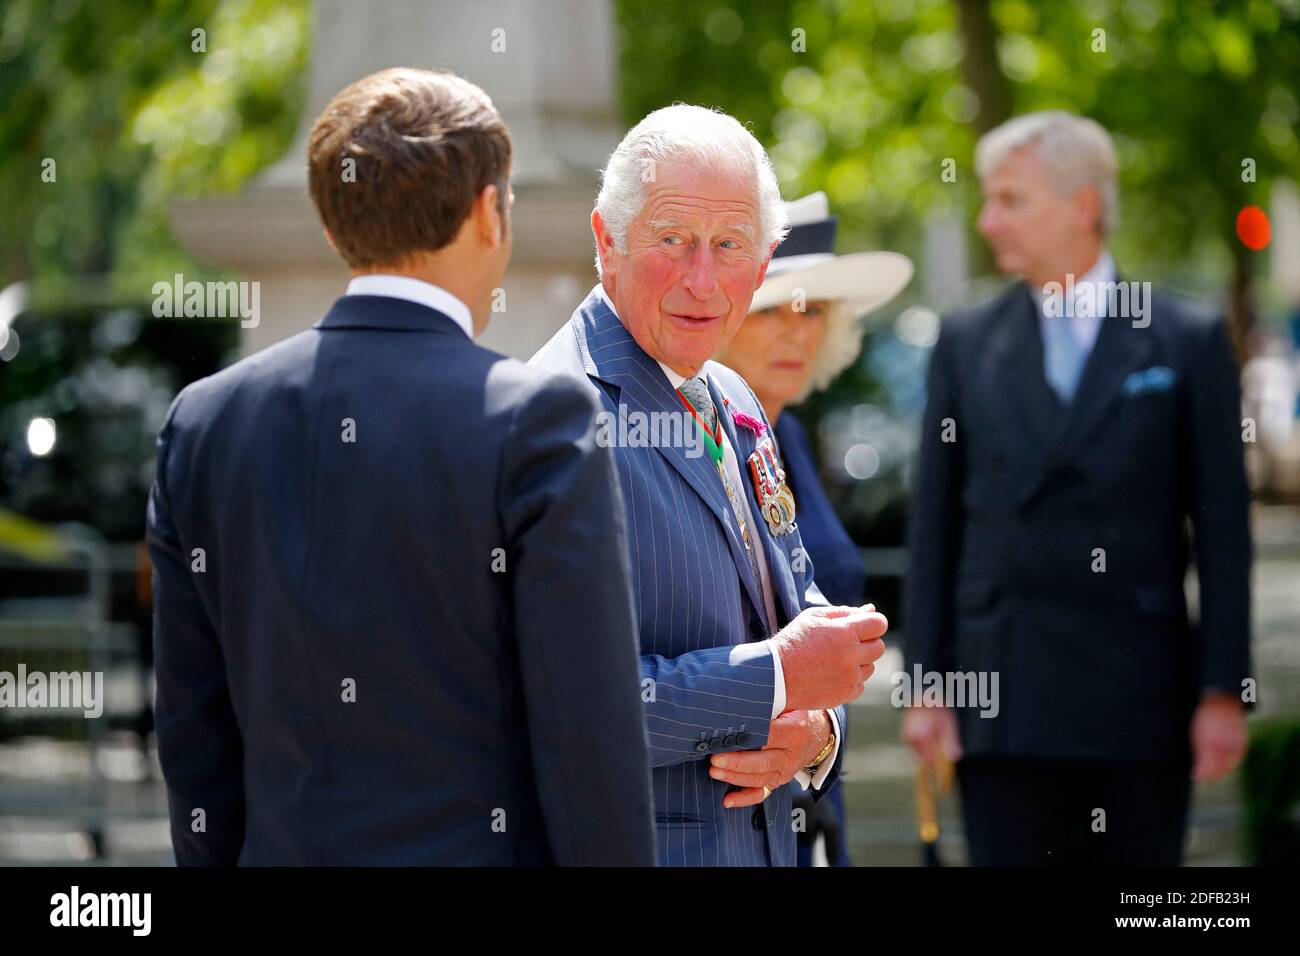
x: 1015, y: 518
x: 709, y: 684
x: 392, y: 615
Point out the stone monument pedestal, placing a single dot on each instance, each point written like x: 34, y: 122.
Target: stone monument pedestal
x: 549, y: 68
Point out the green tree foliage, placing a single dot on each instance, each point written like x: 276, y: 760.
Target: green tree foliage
x: 884, y: 91
x: 862, y: 100
x: 134, y: 108
x: 866, y: 99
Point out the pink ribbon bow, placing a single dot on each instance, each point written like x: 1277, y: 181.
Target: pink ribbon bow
x: 755, y: 425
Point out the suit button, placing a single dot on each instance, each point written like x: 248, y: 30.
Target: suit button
x: 758, y: 819
x: 742, y: 738
x: 702, y: 747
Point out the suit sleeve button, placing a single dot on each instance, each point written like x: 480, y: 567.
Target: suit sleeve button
x: 702, y: 747
x: 742, y: 738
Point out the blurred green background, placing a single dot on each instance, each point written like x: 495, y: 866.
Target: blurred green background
x: 141, y: 106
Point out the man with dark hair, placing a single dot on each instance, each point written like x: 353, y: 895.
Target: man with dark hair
x: 393, y: 619
x: 383, y: 143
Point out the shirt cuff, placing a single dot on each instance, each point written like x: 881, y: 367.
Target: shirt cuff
x: 778, y: 680
x: 823, y: 769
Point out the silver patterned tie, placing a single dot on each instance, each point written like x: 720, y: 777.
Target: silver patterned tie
x: 697, y: 393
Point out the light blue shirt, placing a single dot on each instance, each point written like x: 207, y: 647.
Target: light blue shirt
x: 1089, y: 292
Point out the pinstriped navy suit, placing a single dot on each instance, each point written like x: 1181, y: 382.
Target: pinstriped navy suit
x: 698, y: 606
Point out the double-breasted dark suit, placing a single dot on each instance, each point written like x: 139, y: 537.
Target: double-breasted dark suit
x: 1049, y: 542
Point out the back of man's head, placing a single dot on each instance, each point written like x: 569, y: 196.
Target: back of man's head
x: 396, y: 161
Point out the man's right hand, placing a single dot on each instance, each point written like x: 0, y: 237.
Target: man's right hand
x: 827, y: 654
x: 932, y: 730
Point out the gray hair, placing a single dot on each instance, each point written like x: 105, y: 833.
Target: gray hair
x: 1077, y: 152
x: 703, y: 137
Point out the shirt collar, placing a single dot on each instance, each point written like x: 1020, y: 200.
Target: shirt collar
x: 415, y: 290
x: 1103, y: 270
x: 674, y: 379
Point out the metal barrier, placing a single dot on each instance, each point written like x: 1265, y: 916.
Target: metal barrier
x: 50, y: 633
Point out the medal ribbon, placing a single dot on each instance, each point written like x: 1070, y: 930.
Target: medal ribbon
x: 712, y: 442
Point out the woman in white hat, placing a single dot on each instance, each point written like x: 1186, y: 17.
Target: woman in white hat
x: 803, y: 329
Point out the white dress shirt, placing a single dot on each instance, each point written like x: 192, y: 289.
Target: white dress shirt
x: 730, y: 463
x: 415, y: 290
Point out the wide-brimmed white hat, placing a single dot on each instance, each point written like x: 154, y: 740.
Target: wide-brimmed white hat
x: 805, y: 266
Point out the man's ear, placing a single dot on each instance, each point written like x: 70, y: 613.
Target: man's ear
x: 1087, y: 205
x: 329, y: 239
x: 604, y: 242
x: 487, y: 216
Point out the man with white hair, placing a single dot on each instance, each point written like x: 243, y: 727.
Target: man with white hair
x: 1076, y: 426
x: 744, y: 670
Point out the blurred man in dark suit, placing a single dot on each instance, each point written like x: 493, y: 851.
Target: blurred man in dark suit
x: 1075, y: 427
x: 392, y: 609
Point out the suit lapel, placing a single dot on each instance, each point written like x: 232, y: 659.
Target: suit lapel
x: 1119, y: 350
x: 1033, y: 411
x: 744, y: 442
x: 611, y: 355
